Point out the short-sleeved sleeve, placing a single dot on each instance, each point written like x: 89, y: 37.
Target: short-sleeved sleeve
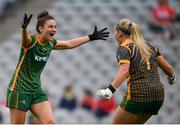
x: 157, y: 52
x: 33, y: 39
x: 123, y: 55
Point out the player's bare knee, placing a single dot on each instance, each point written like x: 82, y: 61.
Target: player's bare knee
x: 50, y: 121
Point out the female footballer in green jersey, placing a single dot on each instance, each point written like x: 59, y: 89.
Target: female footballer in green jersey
x: 24, y: 91
x: 139, y: 61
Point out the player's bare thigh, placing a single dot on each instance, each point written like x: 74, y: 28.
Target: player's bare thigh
x: 123, y: 117
x: 17, y: 116
x: 43, y: 112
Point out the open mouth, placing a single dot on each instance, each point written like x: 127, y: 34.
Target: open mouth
x: 51, y: 34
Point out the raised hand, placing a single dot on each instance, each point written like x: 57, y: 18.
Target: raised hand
x: 26, y: 21
x: 96, y: 35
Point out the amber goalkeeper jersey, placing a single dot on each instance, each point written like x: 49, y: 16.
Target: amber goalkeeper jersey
x: 143, y: 82
x: 26, y: 78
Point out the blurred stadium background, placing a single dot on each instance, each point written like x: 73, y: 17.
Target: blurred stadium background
x: 92, y: 65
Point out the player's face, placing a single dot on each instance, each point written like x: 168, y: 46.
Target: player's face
x: 117, y: 36
x: 49, y: 30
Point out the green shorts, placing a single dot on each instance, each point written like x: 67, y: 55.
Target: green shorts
x: 141, y: 108
x: 23, y: 101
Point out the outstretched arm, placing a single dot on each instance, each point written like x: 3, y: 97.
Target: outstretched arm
x: 26, y: 39
x: 72, y: 43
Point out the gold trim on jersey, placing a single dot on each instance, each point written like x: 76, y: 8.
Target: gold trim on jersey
x: 148, y: 64
x: 124, y: 61
x: 37, y: 39
x: 9, y: 98
x: 125, y: 43
x: 156, y: 49
x: 18, y: 70
x: 129, y: 89
x: 30, y: 46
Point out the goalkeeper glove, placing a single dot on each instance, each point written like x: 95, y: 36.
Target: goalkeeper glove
x: 96, y: 35
x: 26, y: 21
x: 106, y: 93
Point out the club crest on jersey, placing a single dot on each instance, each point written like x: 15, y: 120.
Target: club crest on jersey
x: 39, y: 58
x: 44, y: 49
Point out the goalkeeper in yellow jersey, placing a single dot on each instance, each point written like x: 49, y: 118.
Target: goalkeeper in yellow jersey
x: 139, y: 62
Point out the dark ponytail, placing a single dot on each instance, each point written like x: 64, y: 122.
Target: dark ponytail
x: 42, y: 18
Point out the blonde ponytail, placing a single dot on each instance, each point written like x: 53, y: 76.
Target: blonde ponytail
x: 140, y: 43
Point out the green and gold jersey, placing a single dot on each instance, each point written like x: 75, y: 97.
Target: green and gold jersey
x: 26, y: 78
x: 143, y: 82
